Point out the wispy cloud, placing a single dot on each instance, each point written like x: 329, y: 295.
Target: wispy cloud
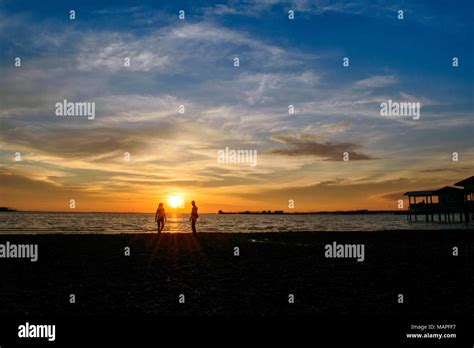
x: 376, y: 81
x: 306, y: 145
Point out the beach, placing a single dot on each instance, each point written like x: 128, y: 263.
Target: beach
x: 149, y: 278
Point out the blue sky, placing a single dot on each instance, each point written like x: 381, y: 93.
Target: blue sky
x: 190, y: 62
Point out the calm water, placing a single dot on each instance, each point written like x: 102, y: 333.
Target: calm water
x: 26, y: 222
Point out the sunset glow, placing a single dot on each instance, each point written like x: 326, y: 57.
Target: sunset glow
x: 176, y: 202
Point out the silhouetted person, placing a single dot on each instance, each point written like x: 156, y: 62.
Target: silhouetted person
x: 160, y: 217
x: 194, y: 216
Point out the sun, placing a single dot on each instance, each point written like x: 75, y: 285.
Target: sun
x: 176, y: 202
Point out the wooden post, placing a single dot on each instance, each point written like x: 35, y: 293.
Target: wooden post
x: 431, y: 208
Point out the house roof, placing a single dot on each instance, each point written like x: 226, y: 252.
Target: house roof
x: 448, y: 188
x: 419, y: 193
x: 466, y: 182
x: 431, y: 192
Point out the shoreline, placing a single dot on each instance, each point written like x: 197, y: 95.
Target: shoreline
x: 256, y: 283
x: 463, y: 228
x: 335, y: 212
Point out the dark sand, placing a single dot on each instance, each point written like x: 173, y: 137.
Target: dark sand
x: 418, y: 264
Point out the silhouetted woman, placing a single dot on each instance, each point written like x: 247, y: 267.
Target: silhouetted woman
x: 160, y: 217
x: 194, y: 216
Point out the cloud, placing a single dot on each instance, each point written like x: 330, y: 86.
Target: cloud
x: 255, y: 8
x: 180, y: 49
x: 74, y: 140
x: 250, y: 8
x: 112, y: 57
x: 461, y: 169
x: 263, y: 88
x: 305, y: 145
x: 376, y: 81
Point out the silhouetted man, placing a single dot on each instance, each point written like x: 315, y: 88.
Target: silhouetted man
x: 194, y: 216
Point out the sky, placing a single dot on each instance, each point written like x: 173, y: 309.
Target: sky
x: 190, y: 62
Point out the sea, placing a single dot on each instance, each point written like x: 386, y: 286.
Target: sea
x: 116, y: 223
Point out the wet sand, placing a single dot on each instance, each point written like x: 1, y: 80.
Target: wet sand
x: 256, y: 284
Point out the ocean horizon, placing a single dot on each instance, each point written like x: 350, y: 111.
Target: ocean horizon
x: 116, y: 223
